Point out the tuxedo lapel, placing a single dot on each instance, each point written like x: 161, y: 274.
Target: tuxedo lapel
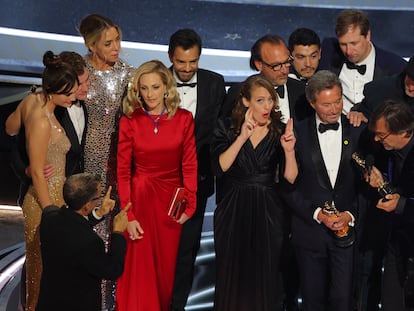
x: 85, y: 112
x: 347, y: 147
x: 316, y: 155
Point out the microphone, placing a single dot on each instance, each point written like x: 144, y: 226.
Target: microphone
x: 369, y: 162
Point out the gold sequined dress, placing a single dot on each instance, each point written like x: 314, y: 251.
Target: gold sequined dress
x: 56, y: 155
x: 104, y: 103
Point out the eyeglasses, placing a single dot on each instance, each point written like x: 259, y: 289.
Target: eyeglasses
x: 278, y: 67
x: 382, y: 137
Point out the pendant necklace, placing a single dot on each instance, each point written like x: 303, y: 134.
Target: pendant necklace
x: 155, y: 120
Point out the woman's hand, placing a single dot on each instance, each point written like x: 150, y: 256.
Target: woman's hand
x: 135, y: 231
x: 182, y: 219
x: 288, y: 139
x: 248, y: 125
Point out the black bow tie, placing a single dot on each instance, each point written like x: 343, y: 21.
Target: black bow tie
x: 361, y: 68
x: 280, y: 90
x: 186, y: 84
x: 322, y: 128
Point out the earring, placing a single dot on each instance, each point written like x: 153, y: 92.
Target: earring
x: 139, y: 97
x: 165, y: 95
x: 49, y: 97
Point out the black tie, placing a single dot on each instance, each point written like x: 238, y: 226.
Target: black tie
x: 280, y: 90
x: 186, y: 84
x: 326, y: 127
x: 361, y: 68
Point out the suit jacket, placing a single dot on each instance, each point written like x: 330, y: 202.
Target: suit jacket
x: 386, y: 63
x: 75, y: 261
x: 210, y: 97
x: 75, y: 155
x: 298, y: 105
x: 74, y: 158
x: 376, y: 92
x: 312, y: 187
x: 402, y: 223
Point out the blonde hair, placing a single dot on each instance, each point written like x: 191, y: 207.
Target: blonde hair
x: 93, y: 26
x: 133, y: 99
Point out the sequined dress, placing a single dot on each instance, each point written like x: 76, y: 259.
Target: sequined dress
x: 104, y: 109
x: 32, y: 212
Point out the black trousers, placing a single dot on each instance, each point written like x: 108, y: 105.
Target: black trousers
x: 187, y: 253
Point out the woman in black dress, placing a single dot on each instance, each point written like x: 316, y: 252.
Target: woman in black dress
x: 247, y: 152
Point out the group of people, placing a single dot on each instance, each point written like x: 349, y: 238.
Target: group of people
x: 297, y: 215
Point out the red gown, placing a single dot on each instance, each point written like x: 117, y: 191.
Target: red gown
x: 150, y: 166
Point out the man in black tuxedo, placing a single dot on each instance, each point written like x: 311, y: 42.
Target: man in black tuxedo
x: 398, y: 87
x: 324, y: 145
x: 72, y: 119
x: 73, y: 255
x: 354, y: 58
x: 393, y: 126
x: 202, y: 92
x: 271, y: 57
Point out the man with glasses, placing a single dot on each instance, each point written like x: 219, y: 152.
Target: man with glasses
x: 372, y: 243
x: 271, y: 57
x: 393, y: 126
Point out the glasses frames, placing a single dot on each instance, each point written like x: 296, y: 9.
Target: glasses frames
x: 278, y: 67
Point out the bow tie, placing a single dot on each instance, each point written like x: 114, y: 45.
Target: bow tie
x: 361, y: 68
x: 186, y: 84
x: 326, y: 127
x: 280, y: 90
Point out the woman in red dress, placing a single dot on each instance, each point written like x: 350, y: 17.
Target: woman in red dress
x: 156, y: 154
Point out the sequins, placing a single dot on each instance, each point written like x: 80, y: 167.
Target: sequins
x: 104, y: 110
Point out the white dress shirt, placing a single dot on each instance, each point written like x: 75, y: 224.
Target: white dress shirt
x: 353, y: 82
x: 188, y: 95
x: 77, y: 116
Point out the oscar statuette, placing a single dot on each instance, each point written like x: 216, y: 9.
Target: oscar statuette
x: 344, y: 237
x: 384, y: 187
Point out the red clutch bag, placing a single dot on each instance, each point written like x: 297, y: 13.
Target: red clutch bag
x: 178, y: 203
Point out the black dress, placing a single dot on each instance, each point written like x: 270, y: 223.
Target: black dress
x: 248, y: 221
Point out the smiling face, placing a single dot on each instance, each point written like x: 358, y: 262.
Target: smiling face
x: 261, y: 104
x: 107, y: 47
x: 354, y: 45
x: 185, y: 62
x: 328, y: 105
x: 409, y: 86
x: 152, y: 90
x: 306, y: 59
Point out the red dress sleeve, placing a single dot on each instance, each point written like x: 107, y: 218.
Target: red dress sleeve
x: 124, y: 162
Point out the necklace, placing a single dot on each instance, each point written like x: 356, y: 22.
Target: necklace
x: 155, y: 120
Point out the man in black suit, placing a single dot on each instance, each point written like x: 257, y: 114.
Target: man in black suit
x: 393, y: 126
x: 73, y: 255
x: 372, y: 244
x: 271, y: 57
x: 324, y: 145
x: 202, y: 92
x: 354, y: 58
x: 398, y: 87
x: 72, y: 119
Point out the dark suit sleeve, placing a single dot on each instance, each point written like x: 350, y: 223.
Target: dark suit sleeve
x: 230, y: 101
x: 101, y: 264
x: 19, y: 160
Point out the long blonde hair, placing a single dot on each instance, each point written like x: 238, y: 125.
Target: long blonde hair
x: 133, y: 99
